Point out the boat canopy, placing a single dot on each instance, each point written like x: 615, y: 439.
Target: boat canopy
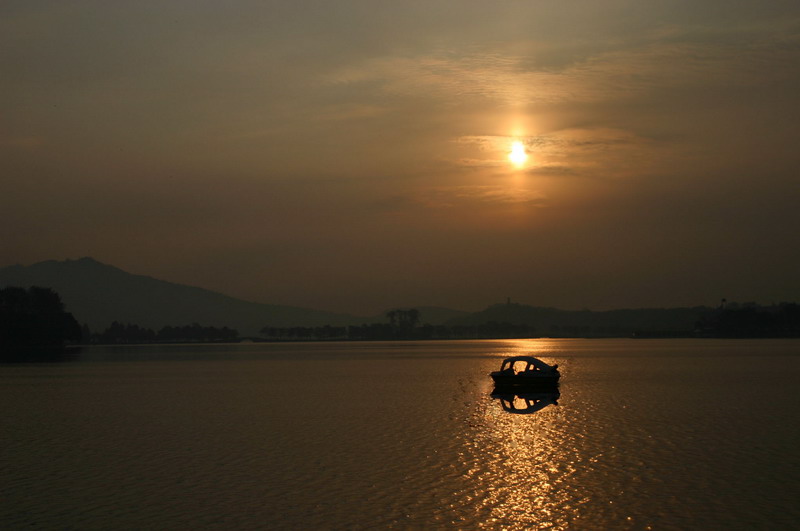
x: 538, y: 364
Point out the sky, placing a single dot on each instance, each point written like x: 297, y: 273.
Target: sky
x: 354, y: 155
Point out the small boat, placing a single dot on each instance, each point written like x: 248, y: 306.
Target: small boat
x: 525, y: 371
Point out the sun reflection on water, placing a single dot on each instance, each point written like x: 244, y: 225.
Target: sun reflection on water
x: 521, y: 466
x: 522, y: 475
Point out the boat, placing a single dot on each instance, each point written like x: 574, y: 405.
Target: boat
x: 527, y: 371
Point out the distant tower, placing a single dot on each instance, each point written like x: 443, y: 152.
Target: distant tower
x: 722, y: 304
x: 508, y: 301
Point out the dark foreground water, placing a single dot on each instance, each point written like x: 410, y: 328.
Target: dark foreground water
x: 647, y: 434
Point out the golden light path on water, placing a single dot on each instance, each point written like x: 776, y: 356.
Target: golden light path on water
x: 522, y: 469
x: 523, y: 472
x: 663, y: 434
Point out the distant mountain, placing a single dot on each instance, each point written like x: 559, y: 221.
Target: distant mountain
x: 435, y: 315
x: 555, y: 322
x: 97, y: 294
x: 432, y: 315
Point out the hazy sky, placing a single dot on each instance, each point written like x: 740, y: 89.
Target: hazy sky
x: 353, y: 155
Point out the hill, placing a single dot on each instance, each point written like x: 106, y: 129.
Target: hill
x: 97, y: 294
x: 585, y: 323
x: 431, y: 315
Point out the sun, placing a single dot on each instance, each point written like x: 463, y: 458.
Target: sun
x: 518, y: 155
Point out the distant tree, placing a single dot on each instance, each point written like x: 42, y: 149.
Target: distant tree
x: 86, y: 334
x: 403, y: 322
x: 412, y: 317
x: 131, y: 333
x: 196, y: 332
x: 35, y: 318
x: 751, y: 320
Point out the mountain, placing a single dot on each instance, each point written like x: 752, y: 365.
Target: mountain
x: 436, y: 315
x: 97, y: 294
x: 583, y: 323
x: 432, y: 315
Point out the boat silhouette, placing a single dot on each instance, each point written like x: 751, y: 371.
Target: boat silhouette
x: 525, y: 371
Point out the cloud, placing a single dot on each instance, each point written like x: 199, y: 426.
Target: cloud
x: 252, y: 126
x: 557, y: 170
x: 460, y: 196
x: 508, y: 75
x: 575, y: 151
x: 496, y: 142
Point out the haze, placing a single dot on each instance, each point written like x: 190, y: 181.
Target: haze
x: 354, y: 156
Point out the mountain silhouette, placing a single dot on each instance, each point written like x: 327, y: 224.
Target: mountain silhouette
x: 582, y: 323
x: 97, y: 294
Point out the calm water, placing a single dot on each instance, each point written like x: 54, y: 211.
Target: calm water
x: 661, y: 434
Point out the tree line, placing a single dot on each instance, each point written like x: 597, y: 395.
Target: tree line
x: 122, y: 333
x: 35, y: 318
x: 403, y: 325
x: 386, y: 332
x: 751, y: 320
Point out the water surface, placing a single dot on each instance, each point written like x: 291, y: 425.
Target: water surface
x: 661, y: 434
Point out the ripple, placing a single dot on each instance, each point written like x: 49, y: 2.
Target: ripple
x: 410, y: 440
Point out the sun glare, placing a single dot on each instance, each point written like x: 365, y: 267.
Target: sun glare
x: 518, y: 155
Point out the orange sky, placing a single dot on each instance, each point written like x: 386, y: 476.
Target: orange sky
x: 353, y: 156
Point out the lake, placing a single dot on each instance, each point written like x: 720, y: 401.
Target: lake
x: 646, y: 434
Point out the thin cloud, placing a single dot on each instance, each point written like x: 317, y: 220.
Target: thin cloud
x: 552, y: 170
x: 512, y: 79
x: 565, y: 152
x: 455, y: 196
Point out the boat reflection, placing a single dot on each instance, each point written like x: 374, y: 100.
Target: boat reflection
x: 526, y: 401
